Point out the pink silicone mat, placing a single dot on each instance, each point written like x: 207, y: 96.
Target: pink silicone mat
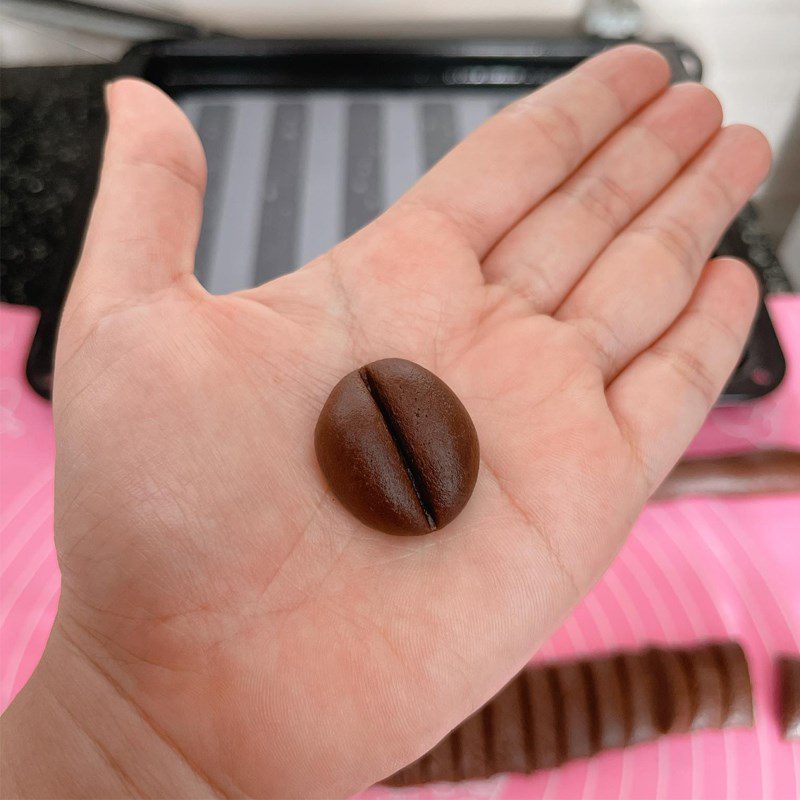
x: 691, y: 570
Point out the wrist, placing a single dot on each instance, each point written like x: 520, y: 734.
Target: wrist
x: 73, y: 732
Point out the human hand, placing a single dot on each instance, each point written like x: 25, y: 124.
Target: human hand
x: 551, y: 270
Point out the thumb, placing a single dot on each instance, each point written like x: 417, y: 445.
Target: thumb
x: 145, y: 222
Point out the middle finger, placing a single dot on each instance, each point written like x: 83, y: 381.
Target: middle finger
x: 547, y: 252
x: 644, y: 278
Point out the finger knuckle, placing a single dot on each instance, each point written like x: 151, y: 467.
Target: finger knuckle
x: 692, y: 370
x: 680, y: 240
x: 603, y: 197
x: 556, y: 127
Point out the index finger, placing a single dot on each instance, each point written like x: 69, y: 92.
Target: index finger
x: 490, y: 180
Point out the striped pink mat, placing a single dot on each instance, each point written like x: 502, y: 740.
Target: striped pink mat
x: 692, y: 570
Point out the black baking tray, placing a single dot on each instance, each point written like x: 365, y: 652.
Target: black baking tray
x: 219, y: 64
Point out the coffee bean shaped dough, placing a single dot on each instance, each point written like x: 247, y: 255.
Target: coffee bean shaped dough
x: 736, y: 681
x: 637, y: 679
x: 397, y: 447
x: 707, y: 693
x: 611, y: 701
x: 577, y: 719
x: 789, y: 697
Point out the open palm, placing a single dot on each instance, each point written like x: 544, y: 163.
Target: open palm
x: 546, y: 269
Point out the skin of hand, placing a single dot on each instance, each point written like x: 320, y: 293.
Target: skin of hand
x: 225, y: 626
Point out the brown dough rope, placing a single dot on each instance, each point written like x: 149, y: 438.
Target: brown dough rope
x: 789, y: 684
x: 759, y: 472
x: 553, y: 713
